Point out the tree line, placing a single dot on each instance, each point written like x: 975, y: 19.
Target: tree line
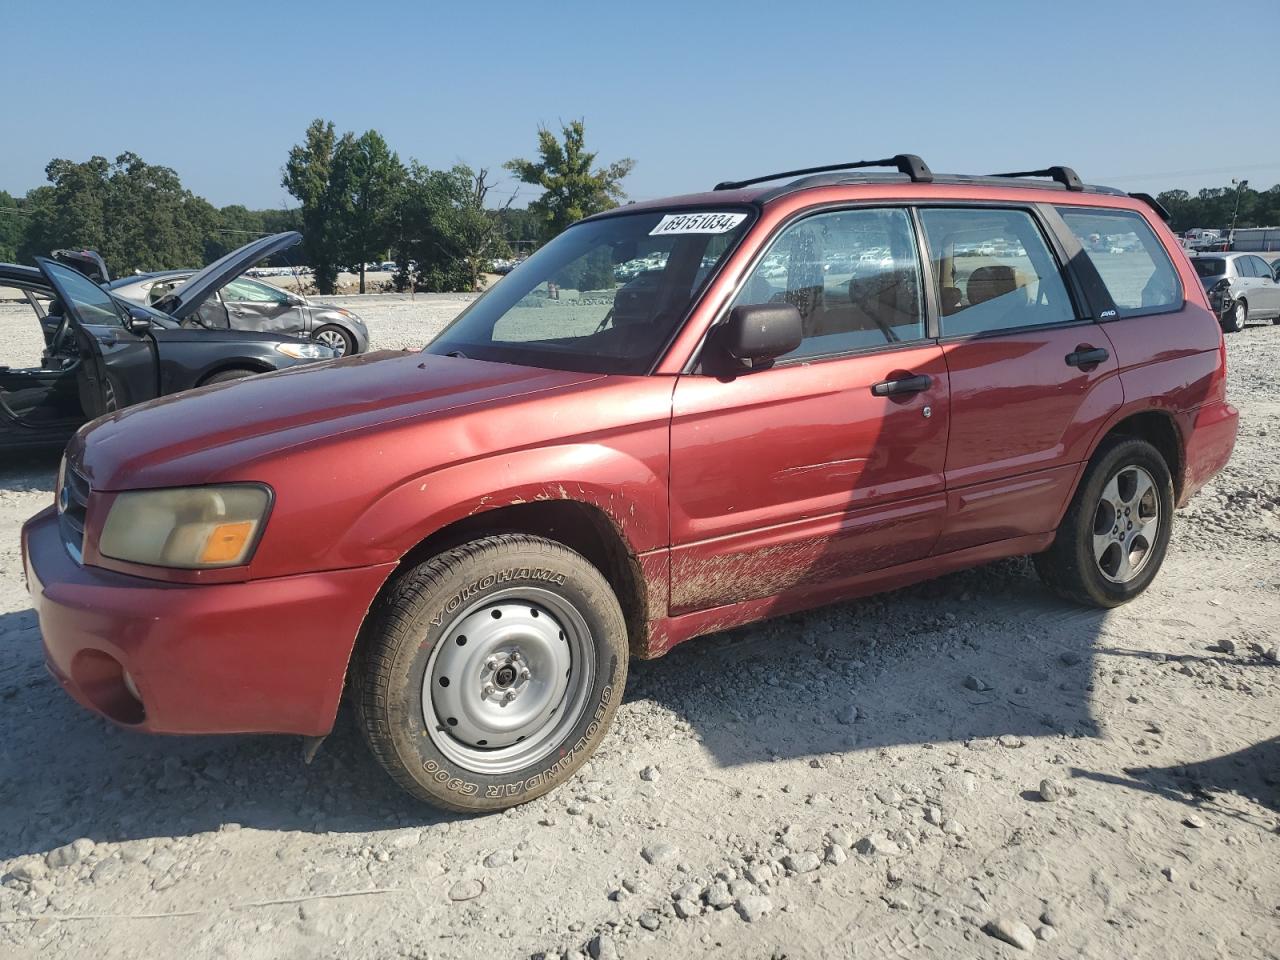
x: 1215, y: 207
x: 357, y: 203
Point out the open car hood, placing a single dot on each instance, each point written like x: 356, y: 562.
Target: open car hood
x: 187, y: 298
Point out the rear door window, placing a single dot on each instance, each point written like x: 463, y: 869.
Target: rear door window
x: 994, y: 271
x: 1129, y: 257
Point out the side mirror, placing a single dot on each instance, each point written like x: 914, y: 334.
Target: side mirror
x: 137, y: 323
x: 762, y: 331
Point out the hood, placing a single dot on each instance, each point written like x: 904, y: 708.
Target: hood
x: 186, y: 299
x: 218, y: 432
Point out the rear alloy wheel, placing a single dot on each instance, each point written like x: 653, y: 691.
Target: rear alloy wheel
x: 331, y: 335
x: 1236, y: 318
x: 1114, y: 536
x: 488, y: 674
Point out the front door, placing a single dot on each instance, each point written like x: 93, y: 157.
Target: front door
x: 260, y: 307
x: 117, y: 367
x: 1032, y: 376
x: 828, y: 464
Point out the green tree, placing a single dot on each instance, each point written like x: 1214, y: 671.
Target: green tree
x: 12, y: 226
x: 308, y: 177
x: 444, y: 225
x: 572, y: 189
x: 366, y: 179
x: 137, y: 215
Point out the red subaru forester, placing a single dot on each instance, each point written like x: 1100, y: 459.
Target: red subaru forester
x: 675, y: 417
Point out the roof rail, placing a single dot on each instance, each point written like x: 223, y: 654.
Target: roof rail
x: 1154, y: 204
x: 1064, y: 175
x: 907, y: 163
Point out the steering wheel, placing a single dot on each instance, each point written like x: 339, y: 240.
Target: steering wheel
x: 60, y: 335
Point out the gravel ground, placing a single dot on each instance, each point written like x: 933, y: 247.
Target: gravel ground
x: 967, y: 768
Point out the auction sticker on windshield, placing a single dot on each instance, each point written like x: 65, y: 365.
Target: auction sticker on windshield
x: 697, y: 223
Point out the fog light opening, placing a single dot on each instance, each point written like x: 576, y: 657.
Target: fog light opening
x: 107, y: 686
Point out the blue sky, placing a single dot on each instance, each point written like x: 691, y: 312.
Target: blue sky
x: 1135, y: 94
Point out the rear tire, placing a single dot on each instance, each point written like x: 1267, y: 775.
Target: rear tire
x: 1114, y: 536
x: 226, y: 376
x: 1236, y: 319
x: 487, y: 675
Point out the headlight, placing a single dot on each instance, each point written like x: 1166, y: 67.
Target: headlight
x: 190, y: 527
x: 305, y: 351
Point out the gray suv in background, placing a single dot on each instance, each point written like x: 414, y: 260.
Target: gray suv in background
x: 220, y: 297
x: 1241, y: 287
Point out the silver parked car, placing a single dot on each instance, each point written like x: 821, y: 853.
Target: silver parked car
x: 222, y: 297
x: 1241, y: 287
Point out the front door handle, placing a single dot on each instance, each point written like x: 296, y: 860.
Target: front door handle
x: 1087, y: 357
x: 893, y: 388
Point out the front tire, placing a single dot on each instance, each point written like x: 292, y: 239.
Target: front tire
x: 339, y: 340
x: 1114, y: 536
x: 1236, y: 319
x: 226, y: 376
x: 488, y: 674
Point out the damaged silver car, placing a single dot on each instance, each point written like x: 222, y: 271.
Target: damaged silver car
x: 220, y: 297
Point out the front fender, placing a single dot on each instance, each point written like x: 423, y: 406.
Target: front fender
x: 623, y: 485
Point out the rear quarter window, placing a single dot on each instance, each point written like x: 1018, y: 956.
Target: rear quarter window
x: 1129, y: 257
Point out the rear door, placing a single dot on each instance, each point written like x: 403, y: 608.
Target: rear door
x: 1032, y: 376
x: 1266, y: 299
x: 791, y: 481
x: 117, y: 368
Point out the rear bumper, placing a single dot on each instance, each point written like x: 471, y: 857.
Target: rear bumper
x: 1210, y: 441
x: 265, y: 656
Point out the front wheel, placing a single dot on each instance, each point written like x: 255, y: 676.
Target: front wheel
x: 1115, y: 534
x: 340, y: 341
x: 488, y: 674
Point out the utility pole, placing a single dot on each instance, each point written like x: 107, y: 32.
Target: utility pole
x: 1231, y: 235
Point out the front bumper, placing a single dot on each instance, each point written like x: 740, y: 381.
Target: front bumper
x: 264, y: 656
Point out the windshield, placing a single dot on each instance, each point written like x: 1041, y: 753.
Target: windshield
x: 603, y: 297
x: 1209, y: 266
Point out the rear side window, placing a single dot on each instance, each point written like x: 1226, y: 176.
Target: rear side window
x: 1209, y: 266
x: 994, y: 271
x: 1130, y: 259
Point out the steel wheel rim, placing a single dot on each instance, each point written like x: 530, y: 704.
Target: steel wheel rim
x: 1126, y: 524
x: 1241, y: 315
x: 514, y: 687
x: 334, y: 339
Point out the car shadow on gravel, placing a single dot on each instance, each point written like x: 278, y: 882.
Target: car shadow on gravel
x: 1253, y: 773
x: 972, y: 657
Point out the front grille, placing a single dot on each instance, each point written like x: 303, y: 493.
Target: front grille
x: 73, y: 506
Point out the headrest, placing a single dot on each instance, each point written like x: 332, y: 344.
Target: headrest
x: 987, y: 283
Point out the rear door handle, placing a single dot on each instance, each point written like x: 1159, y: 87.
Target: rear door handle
x: 892, y: 388
x: 1087, y: 357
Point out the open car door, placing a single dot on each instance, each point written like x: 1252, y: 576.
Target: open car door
x: 117, y: 367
